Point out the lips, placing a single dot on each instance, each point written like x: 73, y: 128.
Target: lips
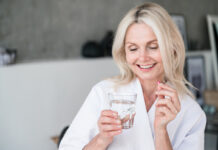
x: 146, y: 67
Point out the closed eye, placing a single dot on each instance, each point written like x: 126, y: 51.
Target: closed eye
x: 131, y: 46
x: 132, y: 49
x: 153, y: 46
x: 156, y: 47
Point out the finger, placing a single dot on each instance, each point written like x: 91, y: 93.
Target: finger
x: 112, y: 133
x: 159, y: 96
x: 109, y: 113
x: 172, y: 96
x: 108, y: 120
x: 164, y: 110
x: 158, y: 112
x: 167, y: 103
x: 168, y: 95
x: 165, y: 86
x: 107, y: 127
x: 164, y: 92
x: 125, y: 119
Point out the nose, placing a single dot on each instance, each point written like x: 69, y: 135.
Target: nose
x: 143, y: 55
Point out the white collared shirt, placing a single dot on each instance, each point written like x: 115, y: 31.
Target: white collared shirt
x: 186, y: 131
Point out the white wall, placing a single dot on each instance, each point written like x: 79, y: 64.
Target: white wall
x: 37, y: 100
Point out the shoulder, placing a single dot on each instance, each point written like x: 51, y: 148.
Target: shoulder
x: 107, y: 83
x: 99, y: 90
x: 103, y: 86
x: 191, y: 110
x: 188, y: 103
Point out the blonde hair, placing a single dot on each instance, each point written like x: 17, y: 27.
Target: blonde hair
x: 170, y: 41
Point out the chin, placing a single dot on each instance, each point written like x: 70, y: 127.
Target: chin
x: 154, y: 74
x: 147, y: 78
x: 151, y: 76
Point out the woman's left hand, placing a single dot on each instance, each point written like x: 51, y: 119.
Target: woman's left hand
x: 167, y: 106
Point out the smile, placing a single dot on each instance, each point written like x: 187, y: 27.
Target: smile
x: 146, y: 66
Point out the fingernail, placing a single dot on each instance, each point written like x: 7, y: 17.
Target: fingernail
x: 115, y: 115
x: 118, y: 121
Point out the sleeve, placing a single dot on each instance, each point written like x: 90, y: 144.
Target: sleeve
x: 194, y: 139
x: 84, y: 125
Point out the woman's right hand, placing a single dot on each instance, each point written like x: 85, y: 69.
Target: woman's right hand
x: 109, y: 125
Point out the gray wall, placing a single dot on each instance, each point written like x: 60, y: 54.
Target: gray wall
x: 56, y: 29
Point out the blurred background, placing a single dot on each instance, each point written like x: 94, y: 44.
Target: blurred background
x: 53, y: 51
x: 54, y: 29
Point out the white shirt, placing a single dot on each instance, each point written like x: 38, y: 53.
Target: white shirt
x: 186, y: 131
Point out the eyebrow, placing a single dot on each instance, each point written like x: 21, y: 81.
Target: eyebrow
x: 155, y: 40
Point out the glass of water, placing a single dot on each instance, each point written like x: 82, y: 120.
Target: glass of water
x: 124, y: 104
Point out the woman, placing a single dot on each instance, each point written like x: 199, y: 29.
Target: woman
x: 150, y: 53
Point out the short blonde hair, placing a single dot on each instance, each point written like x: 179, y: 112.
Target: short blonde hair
x: 170, y: 41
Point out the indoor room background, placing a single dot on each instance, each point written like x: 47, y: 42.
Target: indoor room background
x: 50, y: 76
x: 54, y: 29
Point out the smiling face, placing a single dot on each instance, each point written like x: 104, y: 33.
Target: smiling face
x: 143, y: 53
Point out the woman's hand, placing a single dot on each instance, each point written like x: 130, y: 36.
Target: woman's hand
x: 109, y: 126
x: 167, y: 106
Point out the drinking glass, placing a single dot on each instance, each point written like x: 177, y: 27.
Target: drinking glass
x: 124, y: 104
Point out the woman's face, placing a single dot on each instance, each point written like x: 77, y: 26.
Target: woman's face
x: 143, y: 53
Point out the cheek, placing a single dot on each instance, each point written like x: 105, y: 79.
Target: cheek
x: 158, y: 57
x: 160, y: 60
x: 130, y: 58
x: 161, y: 63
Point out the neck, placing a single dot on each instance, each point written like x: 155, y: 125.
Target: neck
x: 149, y: 88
